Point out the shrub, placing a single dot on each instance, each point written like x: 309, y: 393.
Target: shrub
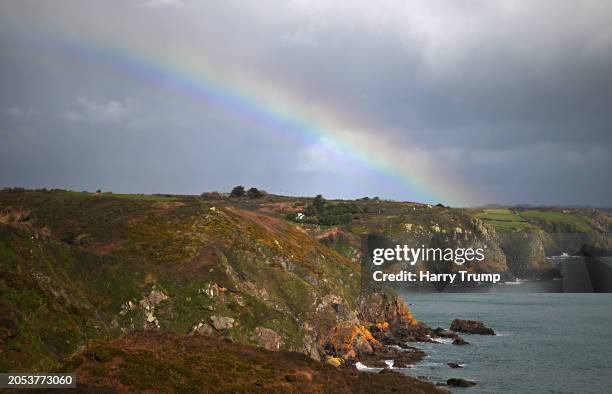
x: 310, y: 211
x: 210, y: 196
x: 320, y: 212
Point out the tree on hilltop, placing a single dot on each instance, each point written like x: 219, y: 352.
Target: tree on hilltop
x: 237, y: 191
x: 254, y: 193
x: 319, y: 203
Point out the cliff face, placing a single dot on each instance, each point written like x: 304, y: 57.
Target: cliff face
x: 417, y: 225
x: 572, y: 231
x: 79, y: 267
x: 525, y: 253
x: 517, y: 241
x: 446, y: 228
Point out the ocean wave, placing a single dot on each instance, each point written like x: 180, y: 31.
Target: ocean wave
x: 427, y: 364
x: 445, y: 341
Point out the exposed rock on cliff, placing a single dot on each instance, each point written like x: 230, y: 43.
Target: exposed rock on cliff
x: 267, y: 338
x: 354, y: 342
x: 222, y: 322
x: 525, y: 253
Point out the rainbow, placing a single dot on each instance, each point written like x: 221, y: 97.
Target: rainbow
x: 343, y: 135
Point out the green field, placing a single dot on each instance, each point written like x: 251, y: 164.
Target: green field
x: 579, y: 223
x: 146, y: 197
x: 504, y: 219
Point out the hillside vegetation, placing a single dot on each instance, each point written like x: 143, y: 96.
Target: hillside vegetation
x: 80, y: 267
x: 166, y: 362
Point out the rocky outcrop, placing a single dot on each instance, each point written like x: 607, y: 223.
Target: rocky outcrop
x: 311, y: 348
x: 201, y: 329
x: 222, y: 322
x: 471, y: 327
x: 390, y: 309
x: 390, y: 321
x: 155, y: 297
x: 149, y: 303
x: 334, y: 361
x: 350, y: 341
x: 459, y: 382
x: 443, y: 333
x: 267, y: 338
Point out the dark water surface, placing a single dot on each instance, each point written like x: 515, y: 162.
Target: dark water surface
x: 546, y: 342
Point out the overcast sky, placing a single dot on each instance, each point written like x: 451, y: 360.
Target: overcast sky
x: 472, y: 102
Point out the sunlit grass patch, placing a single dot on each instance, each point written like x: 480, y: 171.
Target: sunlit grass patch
x: 504, y: 219
x: 572, y: 220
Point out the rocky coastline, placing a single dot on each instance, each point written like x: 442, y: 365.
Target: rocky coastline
x: 101, y: 268
x: 392, y: 346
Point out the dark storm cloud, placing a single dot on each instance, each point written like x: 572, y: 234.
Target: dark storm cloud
x: 510, y: 98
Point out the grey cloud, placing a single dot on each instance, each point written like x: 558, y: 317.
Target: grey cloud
x: 88, y: 111
x: 510, y: 98
x: 18, y: 112
x: 162, y: 3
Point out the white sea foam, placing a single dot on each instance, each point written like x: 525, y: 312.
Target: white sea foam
x: 427, y: 364
x: 396, y: 347
x: 362, y: 367
x: 562, y: 256
x: 517, y: 281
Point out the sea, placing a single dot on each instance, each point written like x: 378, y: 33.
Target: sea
x: 545, y: 342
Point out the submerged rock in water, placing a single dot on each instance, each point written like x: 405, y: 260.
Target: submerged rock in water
x: 443, y: 333
x: 454, y: 365
x: 459, y: 382
x: 460, y: 341
x: 471, y: 327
